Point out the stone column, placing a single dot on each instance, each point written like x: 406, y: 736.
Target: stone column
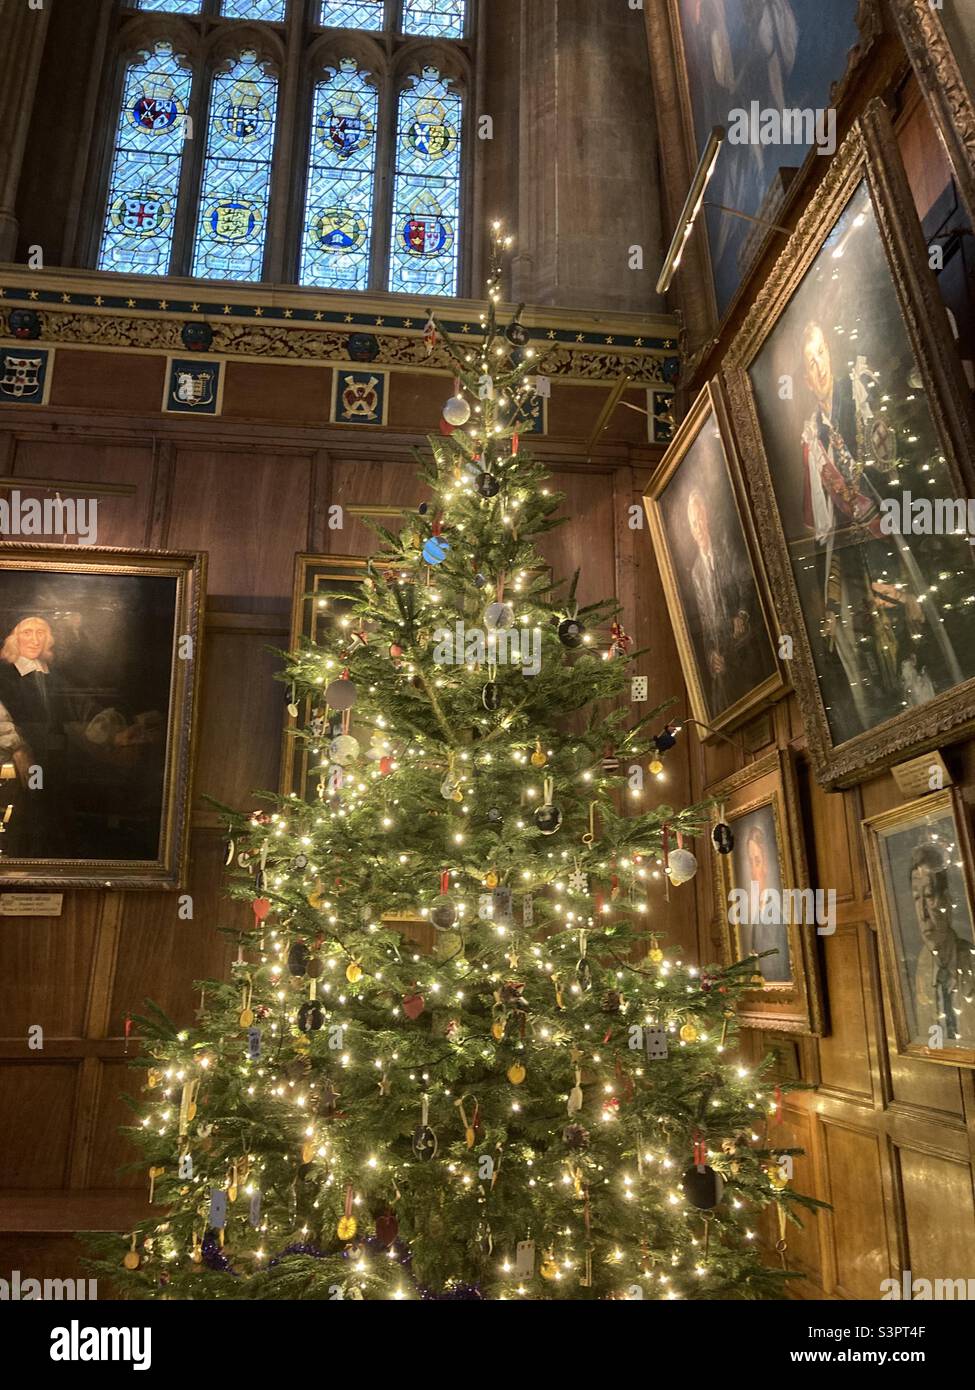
x: 577, y: 162
x: 24, y: 29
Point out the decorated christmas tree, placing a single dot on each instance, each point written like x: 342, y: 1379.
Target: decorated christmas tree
x: 456, y: 1058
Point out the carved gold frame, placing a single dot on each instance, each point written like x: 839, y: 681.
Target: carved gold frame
x: 947, y: 802
x: 870, y: 152
x: 168, y: 869
x: 795, y: 1007
x: 949, y: 99
x: 710, y: 404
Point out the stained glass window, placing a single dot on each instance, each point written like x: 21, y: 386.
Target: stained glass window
x: 231, y: 224
x: 148, y: 156
x: 337, y: 235
x: 353, y: 14
x: 442, y: 18
x: 273, y: 11
x: 426, y: 190
x: 171, y: 6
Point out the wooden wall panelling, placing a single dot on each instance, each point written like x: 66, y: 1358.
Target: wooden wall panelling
x: 118, y: 476
x: 37, y: 1102
x: 857, y: 1223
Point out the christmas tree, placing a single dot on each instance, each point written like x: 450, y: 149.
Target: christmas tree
x: 546, y: 1103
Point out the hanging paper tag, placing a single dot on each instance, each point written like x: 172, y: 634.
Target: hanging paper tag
x: 254, y: 1215
x: 525, y: 1259
x: 528, y: 910
x: 502, y: 901
x: 218, y: 1208
x: 253, y: 1043
x: 655, y: 1042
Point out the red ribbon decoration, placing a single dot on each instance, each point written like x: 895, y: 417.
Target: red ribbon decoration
x: 700, y: 1153
x: 445, y: 881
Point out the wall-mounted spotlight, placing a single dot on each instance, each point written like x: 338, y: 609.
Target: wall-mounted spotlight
x: 692, y: 206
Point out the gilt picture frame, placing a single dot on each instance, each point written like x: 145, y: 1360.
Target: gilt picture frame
x: 878, y: 676
x: 99, y: 687
x: 714, y: 582
x: 920, y: 861
x: 763, y: 896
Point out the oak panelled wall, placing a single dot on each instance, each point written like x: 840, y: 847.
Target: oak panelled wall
x: 252, y: 489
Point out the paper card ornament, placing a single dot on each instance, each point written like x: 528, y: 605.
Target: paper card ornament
x: 525, y: 1259
x: 253, y: 1043
x: 655, y: 1042
x: 503, y: 907
x: 527, y: 910
x: 218, y: 1208
x: 254, y: 1215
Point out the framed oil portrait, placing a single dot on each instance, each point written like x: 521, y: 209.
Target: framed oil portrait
x: 851, y: 405
x: 99, y: 673
x: 764, y: 898
x: 920, y: 862
x: 711, y: 571
x: 941, y: 44
x: 759, y: 56
x: 325, y: 588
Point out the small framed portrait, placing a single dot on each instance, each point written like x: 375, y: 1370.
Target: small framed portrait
x: 744, y: 62
x: 99, y: 673
x: 711, y: 571
x: 325, y: 590
x: 765, y: 903
x: 857, y: 437
x: 920, y: 862
x: 940, y: 39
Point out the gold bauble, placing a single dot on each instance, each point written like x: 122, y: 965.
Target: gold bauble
x: 308, y: 1151
x: 491, y: 880
x: 655, y: 955
x: 549, y: 1268
x: 353, y: 972
x: 656, y: 767
x: 347, y: 1228
x: 497, y: 1030
x: 516, y: 1073
x: 688, y: 1033
x: 246, y: 1018
x: 131, y: 1260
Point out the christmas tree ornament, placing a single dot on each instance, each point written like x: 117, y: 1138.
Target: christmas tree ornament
x: 688, y: 1033
x: 490, y: 879
x: 261, y: 908
x: 494, y: 817
x: 656, y: 767
x: 498, y: 1029
x: 298, y: 959
x: 548, y: 817
x: 480, y: 580
x: 341, y: 694
x: 413, y: 1005
x: 348, y: 1225
x: 681, y: 866
x: 702, y: 1187
x: 395, y: 651
x: 299, y: 863
x: 443, y: 914
x: 310, y: 1016
x: 538, y: 758
x: 571, y: 632
x: 723, y: 838
x: 457, y: 410
x: 246, y: 1017
x: 516, y: 333
x: 435, y: 550
x: 619, y: 642
x: 430, y: 334
x: 491, y: 697
x: 353, y: 972
x: 665, y: 740
x: 655, y: 955
x: 498, y: 616
x: 575, y: 1101
x: 425, y: 1142
x: 548, y: 1268
x: 485, y: 387
x: 344, y: 750
x: 575, y: 1137
x: 487, y: 486
x: 387, y: 1228
x: 516, y: 1073
x: 131, y: 1259
x: 230, y: 850
x: 655, y: 1044
x: 253, y: 1043
x: 525, y: 1259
